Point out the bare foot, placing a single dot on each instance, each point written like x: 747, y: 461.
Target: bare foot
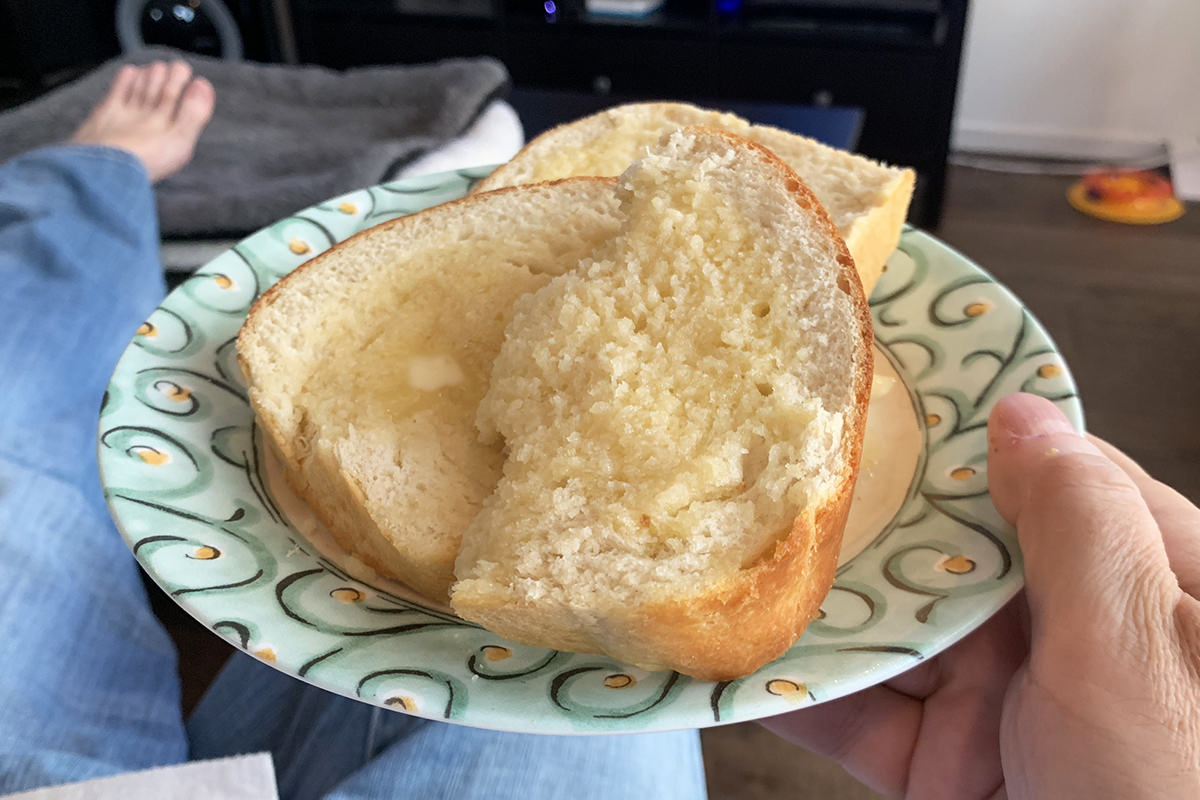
x: 155, y: 112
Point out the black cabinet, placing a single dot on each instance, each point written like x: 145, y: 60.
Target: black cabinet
x: 898, y: 60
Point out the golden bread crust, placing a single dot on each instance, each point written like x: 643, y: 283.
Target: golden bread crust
x: 873, y: 237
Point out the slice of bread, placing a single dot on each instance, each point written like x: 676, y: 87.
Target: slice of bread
x: 867, y: 201
x: 683, y: 419
x: 366, y: 365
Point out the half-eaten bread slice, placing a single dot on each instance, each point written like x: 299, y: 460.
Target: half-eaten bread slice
x: 682, y: 418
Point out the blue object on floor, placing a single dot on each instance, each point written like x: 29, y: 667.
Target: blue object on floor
x: 838, y: 126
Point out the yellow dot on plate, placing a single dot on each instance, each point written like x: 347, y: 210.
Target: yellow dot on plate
x: 223, y: 281
x: 298, y: 246
x: 959, y: 565
x: 176, y: 392
x: 348, y: 208
x: 406, y: 703
x: 977, y: 309
x: 206, y: 553
x: 493, y: 652
x: 791, y: 690
x: 1049, y: 371
x: 266, y: 654
x: 155, y: 458
x: 963, y: 474
x: 346, y: 594
x: 148, y: 330
x: 932, y: 419
x: 619, y: 681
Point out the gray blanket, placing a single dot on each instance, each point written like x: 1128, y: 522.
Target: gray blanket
x: 282, y: 137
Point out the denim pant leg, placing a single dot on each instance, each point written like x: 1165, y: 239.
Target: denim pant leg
x: 327, y: 746
x: 436, y: 760
x: 87, y: 677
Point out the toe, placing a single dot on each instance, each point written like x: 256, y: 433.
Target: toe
x: 195, y: 107
x: 156, y: 78
x: 137, y: 88
x: 178, y: 75
x: 122, y: 84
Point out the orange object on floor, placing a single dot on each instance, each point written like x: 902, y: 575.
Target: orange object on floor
x: 1132, y: 197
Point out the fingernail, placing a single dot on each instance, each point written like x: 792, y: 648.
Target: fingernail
x: 1022, y: 417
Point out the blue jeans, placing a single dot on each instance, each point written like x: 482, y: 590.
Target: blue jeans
x: 88, y: 682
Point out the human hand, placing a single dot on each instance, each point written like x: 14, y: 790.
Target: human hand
x: 1085, y: 686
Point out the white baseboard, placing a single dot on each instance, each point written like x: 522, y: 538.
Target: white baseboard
x: 1116, y: 147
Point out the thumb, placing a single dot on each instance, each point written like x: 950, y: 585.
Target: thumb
x: 1094, y: 557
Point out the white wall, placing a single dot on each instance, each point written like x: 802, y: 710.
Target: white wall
x: 1079, y: 78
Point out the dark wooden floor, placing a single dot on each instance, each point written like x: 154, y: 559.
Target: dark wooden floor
x: 1122, y: 303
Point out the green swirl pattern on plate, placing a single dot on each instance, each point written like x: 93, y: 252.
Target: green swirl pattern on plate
x: 184, y: 476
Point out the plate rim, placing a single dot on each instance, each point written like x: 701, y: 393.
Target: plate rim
x: 505, y: 722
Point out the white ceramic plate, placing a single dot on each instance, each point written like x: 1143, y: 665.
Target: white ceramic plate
x: 926, y: 559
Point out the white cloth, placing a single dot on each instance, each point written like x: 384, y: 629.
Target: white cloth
x: 249, y: 777
x: 493, y: 138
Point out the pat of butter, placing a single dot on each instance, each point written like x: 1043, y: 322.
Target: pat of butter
x: 430, y: 373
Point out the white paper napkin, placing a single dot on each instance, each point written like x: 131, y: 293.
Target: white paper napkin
x: 248, y: 777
